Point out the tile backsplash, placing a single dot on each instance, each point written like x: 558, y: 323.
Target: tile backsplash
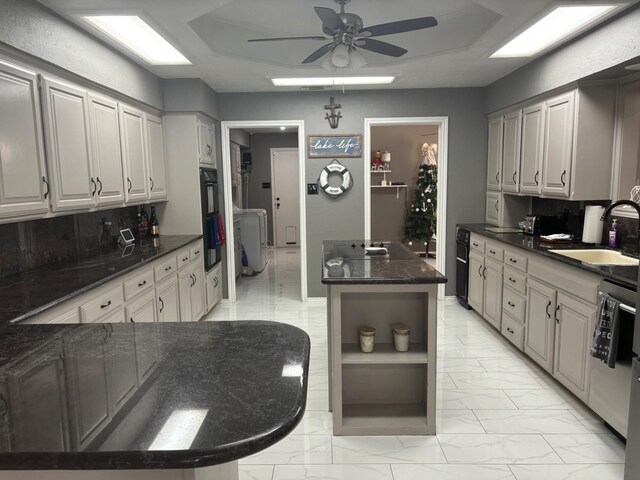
x: 29, y: 245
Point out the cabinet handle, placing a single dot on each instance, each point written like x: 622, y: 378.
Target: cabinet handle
x: 105, y: 305
x: 3, y: 406
x: 168, y: 268
x: 195, y: 279
x: 484, y: 272
x: 132, y: 320
x: 152, y: 185
x: 547, y: 309
x: 46, y: 194
x: 130, y: 185
x: 215, y: 281
x: 511, y: 304
x: 95, y: 187
x: 475, y: 245
x: 512, y: 280
x: 497, y: 177
x: 564, y: 173
x: 555, y: 315
x: 197, y: 252
x: 185, y: 259
x: 191, y: 277
x: 161, y: 304
x: 514, y: 176
x: 492, y: 252
x: 497, y: 202
x: 142, y: 284
x: 510, y: 330
x: 512, y: 260
x: 99, y: 183
x: 480, y: 270
x: 535, y: 179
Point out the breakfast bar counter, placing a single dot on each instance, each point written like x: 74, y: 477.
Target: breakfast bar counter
x: 385, y: 392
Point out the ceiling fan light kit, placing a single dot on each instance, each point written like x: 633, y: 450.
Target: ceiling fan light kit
x: 347, y: 34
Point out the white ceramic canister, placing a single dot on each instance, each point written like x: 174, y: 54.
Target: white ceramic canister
x: 367, y: 339
x: 386, y: 158
x: 401, y: 336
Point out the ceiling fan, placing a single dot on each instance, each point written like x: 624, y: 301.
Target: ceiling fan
x: 348, y: 33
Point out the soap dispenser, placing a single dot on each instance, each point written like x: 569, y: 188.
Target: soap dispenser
x: 613, y: 234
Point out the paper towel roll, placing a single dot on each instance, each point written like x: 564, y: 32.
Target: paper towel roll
x: 592, y: 230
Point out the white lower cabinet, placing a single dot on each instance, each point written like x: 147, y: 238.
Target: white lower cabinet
x: 214, y: 286
x: 485, y: 287
x: 143, y: 310
x: 168, y: 302
x: 494, y: 208
x: 185, y: 282
x: 198, y: 303
x: 540, y: 323
x: 476, y: 282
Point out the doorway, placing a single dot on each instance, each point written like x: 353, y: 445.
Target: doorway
x: 410, y: 143
x: 285, y: 200
x: 266, y: 186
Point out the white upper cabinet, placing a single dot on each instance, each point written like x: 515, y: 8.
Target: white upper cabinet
x: 532, y: 148
x: 105, y: 136
x: 206, y: 142
x: 66, y: 118
x: 494, y: 166
x: 511, y: 151
x: 558, y: 144
x: 23, y: 177
x: 133, y: 155
x: 155, y: 151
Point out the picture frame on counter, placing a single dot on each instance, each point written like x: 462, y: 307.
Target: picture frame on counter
x: 334, y: 146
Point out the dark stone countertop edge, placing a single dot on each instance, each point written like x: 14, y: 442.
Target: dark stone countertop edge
x: 625, y: 275
x: 188, y: 239
x: 384, y: 281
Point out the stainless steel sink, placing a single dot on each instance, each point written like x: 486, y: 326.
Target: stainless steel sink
x: 597, y: 256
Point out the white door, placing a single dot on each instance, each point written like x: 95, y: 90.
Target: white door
x: 286, y: 197
x: 22, y: 171
x: 133, y: 155
x: 155, y: 152
x: 105, y: 137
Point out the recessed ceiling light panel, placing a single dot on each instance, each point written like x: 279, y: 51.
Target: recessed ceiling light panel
x: 331, y: 81
x: 556, y: 26
x: 133, y: 33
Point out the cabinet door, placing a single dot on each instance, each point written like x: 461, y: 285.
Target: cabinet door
x: 23, y: 174
x: 214, y: 287
x: 105, y: 136
x: 185, y: 281
x: 540, y: 325
x: 133, y: 155
x: 120, y: 357
x: 205, y: 149
x: 511, y: 152
x: 558, y: 145
x: 494, y: 165
x: 494, y: 208
x: 532, y: 149
x: 66, y: 118
x: 476, y: 282
x: 143, y: 310
x: 155, y: 151
x: 575, y: 322
x: 212, y: 142
x: 198, y: 293
x: 492, y: 273
x: 5, y: 426
x: 168, y: 304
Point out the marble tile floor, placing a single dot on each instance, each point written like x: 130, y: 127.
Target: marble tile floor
x: 499, y: 416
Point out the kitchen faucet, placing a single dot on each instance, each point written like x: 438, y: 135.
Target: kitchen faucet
x: 606, y: 213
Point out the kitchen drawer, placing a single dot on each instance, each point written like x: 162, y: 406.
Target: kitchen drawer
x: 514, y: 304
x: 165, y: 268
x: 515, y: 260
x: 513, y: 331
x: 102, y: 305
x: 195, y: 252
x: 515, y: 280
x: 138, y: 284
x: 183, y: 257
x: 492, y: 250
x: 477, y: 243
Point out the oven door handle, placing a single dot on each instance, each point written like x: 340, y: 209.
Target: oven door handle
x: 627, y: 309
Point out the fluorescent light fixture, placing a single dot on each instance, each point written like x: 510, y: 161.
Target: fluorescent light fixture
x: 180, y: 430
x: 137, y: 36
x: 560, y: 23
x: 331, y: 81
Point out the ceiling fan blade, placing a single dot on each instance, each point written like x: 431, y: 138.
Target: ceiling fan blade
x: 330, y: 19
x: 400, y: 26
x: 322, y: 51
x: 377, y: 46
x: 286, y: 38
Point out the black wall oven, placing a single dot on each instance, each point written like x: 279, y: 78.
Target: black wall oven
x: 212, y: 227
x: 462, y: 266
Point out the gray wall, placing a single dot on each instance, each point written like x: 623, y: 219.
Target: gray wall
x: 241, y: 137
x: 404, y: 142
x: 615, y: 42
x: 261, y: 143
x: 190, y: 95
x: 343, y: 218
x: 27, y: 26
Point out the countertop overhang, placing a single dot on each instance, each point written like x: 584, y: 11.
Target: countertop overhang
x: 244, y: 382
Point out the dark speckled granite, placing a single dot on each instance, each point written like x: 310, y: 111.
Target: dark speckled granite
x: 248, y: 380
x: 344, y: 262
x: 625, y: 275
x: 33, y: 292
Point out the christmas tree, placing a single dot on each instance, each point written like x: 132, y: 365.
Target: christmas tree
x: 420, y: 225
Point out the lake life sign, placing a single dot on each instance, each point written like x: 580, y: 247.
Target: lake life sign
x: 335, y: 146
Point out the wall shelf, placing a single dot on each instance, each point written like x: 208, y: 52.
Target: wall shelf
x: 397, y: 187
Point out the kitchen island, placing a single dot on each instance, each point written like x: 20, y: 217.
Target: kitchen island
x: 146, y: 401
x: 384, y: 392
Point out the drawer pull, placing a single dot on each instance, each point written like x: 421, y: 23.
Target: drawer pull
x: 185, y: 259
x: 512, y: 280
x: 144, y: 282
x: 511, y: 304
x: 510, y: 330
x: 168, y: 268
x: 132, y: 320
x: 492, y: 252
x: 197, y: 252
x: 105, y: 305
x: 512, y: 260
x: 476, y: 245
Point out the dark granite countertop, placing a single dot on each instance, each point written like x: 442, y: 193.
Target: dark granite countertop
x: 345, y: 262
x: 33, y: 292
x: 200, y: 394
x: 625, y: 275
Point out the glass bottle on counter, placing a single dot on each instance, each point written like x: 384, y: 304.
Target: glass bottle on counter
x: 143, y: 226
x: 155, y: 226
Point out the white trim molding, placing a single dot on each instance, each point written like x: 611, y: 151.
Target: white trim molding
x: 443, y: 151
x: 225, y: 128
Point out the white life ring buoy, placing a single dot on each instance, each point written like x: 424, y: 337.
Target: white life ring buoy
x: 323, y: 181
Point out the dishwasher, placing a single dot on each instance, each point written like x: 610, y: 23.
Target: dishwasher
x: 462, y: 266
x: 609, y: 388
